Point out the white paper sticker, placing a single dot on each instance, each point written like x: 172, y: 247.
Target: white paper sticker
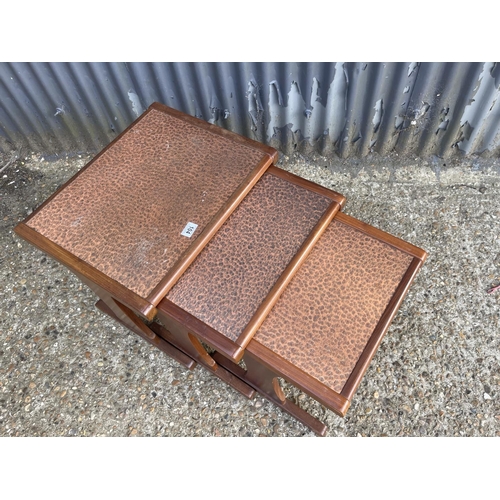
x: 189, y: 229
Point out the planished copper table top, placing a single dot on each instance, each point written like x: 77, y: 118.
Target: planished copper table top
x: 156, y: 193
x: 326, y: 316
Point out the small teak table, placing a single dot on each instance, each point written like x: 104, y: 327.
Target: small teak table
x: 189, y: 235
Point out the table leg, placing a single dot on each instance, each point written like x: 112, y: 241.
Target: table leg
x: 181, y: 338
x: 266, y: 382
x: 185, y: 348
x: 127, y: 318
x: 158, y: 342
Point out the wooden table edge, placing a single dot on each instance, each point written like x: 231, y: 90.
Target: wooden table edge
x: 356, y: 376
x: 287, y: 275
x: 78, y: 266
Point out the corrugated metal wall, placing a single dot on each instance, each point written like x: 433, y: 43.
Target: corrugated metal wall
x: 348, y: 109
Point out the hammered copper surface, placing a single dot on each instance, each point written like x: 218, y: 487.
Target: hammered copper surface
x: 234, y: 273
x: 125, y: 213
x: 324, y: 318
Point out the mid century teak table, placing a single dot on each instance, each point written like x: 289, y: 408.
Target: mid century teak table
x: 190, y: 236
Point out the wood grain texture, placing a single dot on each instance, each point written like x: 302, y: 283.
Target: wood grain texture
x: 168, y: 310
x: 177, y: 334
x: 301, y: 379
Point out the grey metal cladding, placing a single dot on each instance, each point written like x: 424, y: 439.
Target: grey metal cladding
x: 346, y: 109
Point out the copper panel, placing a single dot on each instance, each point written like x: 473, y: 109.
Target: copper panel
x: 125, y: 213
x: 235, y: 272
x: 324, y: 319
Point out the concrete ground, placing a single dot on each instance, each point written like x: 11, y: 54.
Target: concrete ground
x: 68, y: 370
